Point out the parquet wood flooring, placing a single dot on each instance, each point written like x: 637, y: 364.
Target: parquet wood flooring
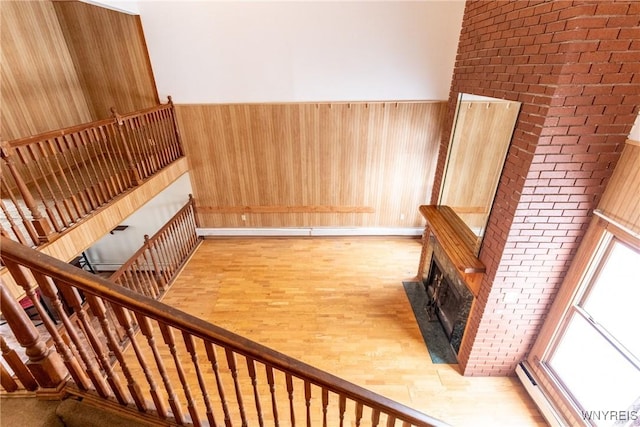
x: 339, y: 304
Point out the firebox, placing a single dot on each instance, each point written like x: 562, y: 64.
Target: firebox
x: 449, y: 302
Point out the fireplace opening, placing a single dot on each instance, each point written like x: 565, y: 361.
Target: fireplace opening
x: 447, y: 302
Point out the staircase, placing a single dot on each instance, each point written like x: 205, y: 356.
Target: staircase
x: 120, y: 350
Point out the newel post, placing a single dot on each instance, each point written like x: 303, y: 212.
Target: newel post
x: 175, y: 125
x: 192, y: 202
x: 44, y: 364
x: 131, y: 164
x: 40, y: 223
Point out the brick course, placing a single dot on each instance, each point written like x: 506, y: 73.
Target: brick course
x: 574, y: 67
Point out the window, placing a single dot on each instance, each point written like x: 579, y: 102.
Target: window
x: 595, y: 358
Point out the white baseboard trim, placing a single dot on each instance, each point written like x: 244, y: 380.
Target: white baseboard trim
x: 541, y: 400
x: 310, y: 231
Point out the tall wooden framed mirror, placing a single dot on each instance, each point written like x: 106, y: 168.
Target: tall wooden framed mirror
x: 480, y: 139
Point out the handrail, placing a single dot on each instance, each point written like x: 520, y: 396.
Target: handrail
x: 157, y: 261
x: 48, y: 270
x: 53, y: 180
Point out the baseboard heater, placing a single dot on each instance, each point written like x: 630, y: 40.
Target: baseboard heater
x: 311, y: 231
x: 539, y: 397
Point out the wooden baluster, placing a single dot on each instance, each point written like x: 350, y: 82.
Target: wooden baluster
x: 148, y: 279
x: 342, y: 407
x: 406, y: 424
x: 167, y: 335
x: 375, y: 417
x: 272, y: 390
x: 359, y: 408
x: 191, y: 349
x: 14, y: 227
x: 92, y: 369
x: 150, y: 142
x: 158, y: 257
x: 140, y: 133
x: 51, y: 176
x: 17, y: 365
x: 44, y: 364
x: 134, y: 128
x: 162, y: 285
x: 104, y: 162
x: 40, y: 223
x: 134, y: 173
x: 213, y: 358
x: 120, y: 157
x: 251, y: 367
x: 307, y: 401
x: 180, y: 150
x: 98, y: 186
x: 38, y: 162
x: 147, y: 330
x: 195, y: 220
x: 61, y: 171
x: 74, y: 151
x: 231, y: 362
x: 89, y: 177
x: 391, y: 420
x: 164, y: 138
x: 131, y: 282
x: 99, y: 310
x: 134, y: 274
x: 168, y: 254
x: 78, y: 196
x: 174, y: 235
x: 292, y: 412
x: 325, y: 406
x: 107, y: 150
x: 72, y: 298
x: 167, y: 124
x: 125, y: 321
x: 7, y: 381
x: 174, y: 232
x: 31, y: 231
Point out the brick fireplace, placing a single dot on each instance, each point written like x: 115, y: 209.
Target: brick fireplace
x: 575, y: 67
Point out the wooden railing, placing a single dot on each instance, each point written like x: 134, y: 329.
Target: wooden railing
x: 156, y: 264
x: 180, y: 369
x: 52, y: 180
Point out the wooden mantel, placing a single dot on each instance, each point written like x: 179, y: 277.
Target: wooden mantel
x: 457, y: 241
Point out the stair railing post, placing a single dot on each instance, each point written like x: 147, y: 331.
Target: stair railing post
x: 175, y: 125
x: 131, y: 164
x: 45, y: 365
x: 40, y: 223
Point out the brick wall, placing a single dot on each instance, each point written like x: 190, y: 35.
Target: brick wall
x: 575, y: 67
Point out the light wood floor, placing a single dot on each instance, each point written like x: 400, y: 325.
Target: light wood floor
x: 339, y: 304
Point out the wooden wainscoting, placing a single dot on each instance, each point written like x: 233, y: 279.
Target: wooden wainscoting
x: 66, y: 63
x: 128, y: 84
x: 40, y: 87
x: 308, y: 164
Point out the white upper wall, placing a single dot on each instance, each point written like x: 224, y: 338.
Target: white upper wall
x: 287, y: 51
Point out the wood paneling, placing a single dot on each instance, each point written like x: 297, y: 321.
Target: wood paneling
x: 67, y: 63
x: 111, y: 57
x: 478, y: 148
x: 39, y: 88
x: 621, y: 199
x: 314, y: 161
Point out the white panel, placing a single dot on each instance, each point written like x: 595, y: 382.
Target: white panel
x: 113, y: 250
x: 211, y: 52
x: 310, y: 231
